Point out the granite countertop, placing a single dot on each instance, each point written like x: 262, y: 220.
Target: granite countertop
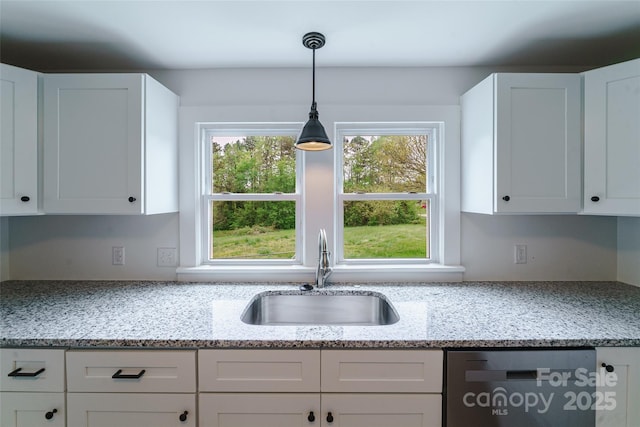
x: 119, y: 314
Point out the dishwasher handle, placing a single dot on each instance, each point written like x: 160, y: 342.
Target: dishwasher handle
x: 531, y: 374
x: 491, y: 375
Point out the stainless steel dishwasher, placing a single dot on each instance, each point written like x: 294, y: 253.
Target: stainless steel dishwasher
x: 520, y: 388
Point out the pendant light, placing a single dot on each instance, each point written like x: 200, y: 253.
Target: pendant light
x: 313, y: 136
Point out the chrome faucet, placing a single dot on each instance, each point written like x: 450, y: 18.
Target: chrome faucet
x: 324, y: 270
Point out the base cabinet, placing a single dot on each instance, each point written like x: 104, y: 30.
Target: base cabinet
x: 32, y: 409
x: 621, y: 392
x: 32, y: 388
x: 259, y: 409
x: 326, y: 410
x: 381, y: 410
x: 131, y: 388
x: 131, y: 410
x: 327, y: 388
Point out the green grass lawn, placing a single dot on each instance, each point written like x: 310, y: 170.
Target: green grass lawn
x: 387, y: 241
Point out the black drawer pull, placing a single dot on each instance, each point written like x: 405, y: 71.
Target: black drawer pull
x: 132, y: 199
x: 50, y: 414
x: 595, y: 199
x: 183, y: 416
x: 506, y: 198
x: 120, y: 375
x: 18, y: 373
x: 311, y: 418
x: 329, y: 417
x: 25, y: 198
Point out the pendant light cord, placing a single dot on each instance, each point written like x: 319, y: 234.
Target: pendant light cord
x: 313, y: 79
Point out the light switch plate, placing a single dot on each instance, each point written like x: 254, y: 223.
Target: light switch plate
x: 520, y: 254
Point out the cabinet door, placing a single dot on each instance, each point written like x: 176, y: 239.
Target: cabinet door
x: 130, y: 410
x: 381, y: 410
x: 18, y: 141
x: 620, y: 390
x: 537, y: 143
x: 32, y: 409
x: 264, y: 410
x: 612, y: 140
x: 93, y: 143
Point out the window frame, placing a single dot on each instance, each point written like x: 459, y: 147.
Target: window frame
x: 432, y: 130
x: 318, y: 173
x: 207, y: 195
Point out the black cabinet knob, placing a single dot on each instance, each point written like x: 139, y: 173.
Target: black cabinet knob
x: 50, y: 414
x: 595, y: 199
x: 311, y: 417
x: 329, y: 418
x: 183, y: 416
x: 608, y: 368
x: 506, y: 198
x: 25, y: 198
x: 132, y: 199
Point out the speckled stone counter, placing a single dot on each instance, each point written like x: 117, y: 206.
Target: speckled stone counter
x: 207, y: 315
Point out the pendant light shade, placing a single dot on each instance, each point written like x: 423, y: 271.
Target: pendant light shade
x: 313, y: 136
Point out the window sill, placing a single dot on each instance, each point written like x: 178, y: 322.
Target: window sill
x: 342, y: 273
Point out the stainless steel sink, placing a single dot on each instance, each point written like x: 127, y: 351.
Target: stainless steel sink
x: 359, y: 309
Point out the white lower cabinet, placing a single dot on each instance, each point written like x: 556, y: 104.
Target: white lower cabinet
x: 259, y: 409
x: 328, y: 388
x: 381, y: 410
x: 131, y: 410
x: 32, y: 409
x: 619, y: 390
x: 314, y: 409
x: 32, y: 388
x: 127, y: 388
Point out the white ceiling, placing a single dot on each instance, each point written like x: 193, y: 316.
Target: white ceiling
x: 152, y: 34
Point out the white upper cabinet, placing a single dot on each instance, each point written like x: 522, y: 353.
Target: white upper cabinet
x: 612, y: 140
x: 18, y: 141
x: 521, y: 144
x: 110, y: 145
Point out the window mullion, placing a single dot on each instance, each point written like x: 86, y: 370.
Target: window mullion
x: 269, y: 197
x: 384, y: 196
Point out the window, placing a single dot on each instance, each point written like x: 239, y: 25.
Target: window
x: 386, y: 192
x: 336, y: 190
x: 251, y: 203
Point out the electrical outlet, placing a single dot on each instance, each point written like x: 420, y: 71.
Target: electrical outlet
x: 520, y: 254
x: 117, y: 255
x: 167, y: 257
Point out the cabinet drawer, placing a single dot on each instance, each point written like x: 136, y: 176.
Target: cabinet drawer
x: 382, y: 371
x: 131, y: 371
x: 31, y: 370
x: 259, y: 370
x: 131, y: 410
x: 20, y: 409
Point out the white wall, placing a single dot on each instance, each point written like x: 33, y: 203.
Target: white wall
x: 559, y: 247
x: 79, y: 247
x: 629, y: 250
x: 76, y: 247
